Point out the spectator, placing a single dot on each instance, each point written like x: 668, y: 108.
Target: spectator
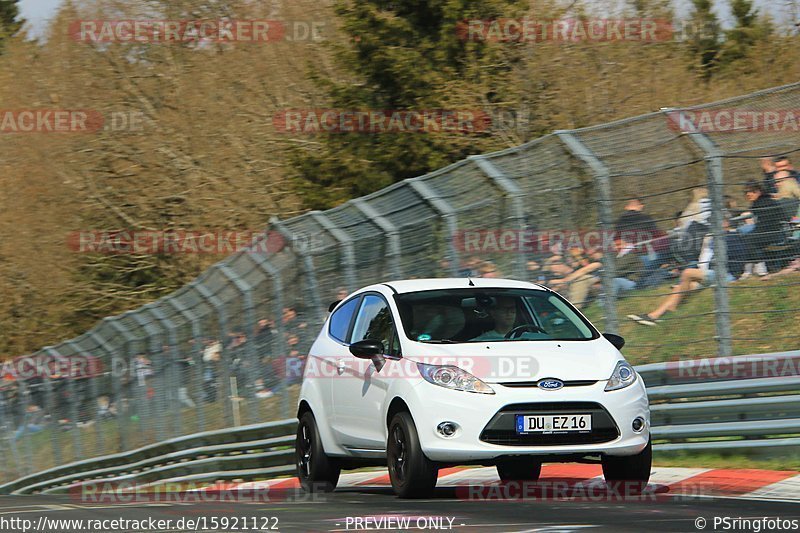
x: 634, y: 221
x: 692, y: 277
x: 698, y: 210
x: 628, y: 267
x: 32, y: 422
x: 773, y: 166
x: 577, y: 275
x: 768, y: 216
x: 788, y: 193
x: 489, y: 270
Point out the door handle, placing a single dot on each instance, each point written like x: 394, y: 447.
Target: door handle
x: 341, y: 367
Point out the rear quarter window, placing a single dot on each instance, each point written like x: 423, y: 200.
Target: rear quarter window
x: 339, y: 323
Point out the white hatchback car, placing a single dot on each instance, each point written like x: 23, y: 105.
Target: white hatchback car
x: 422, y: 374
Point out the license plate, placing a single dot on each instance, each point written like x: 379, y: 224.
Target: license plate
x: 553, y: 423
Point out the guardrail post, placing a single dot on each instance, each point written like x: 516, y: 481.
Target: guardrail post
x: 716, y: 193
x: 262, y: 262
x: 391, y: 233
x: 301, y: 249
x: 447, y: 214
x: 517, y: 197
x: 154, y: 348
x: 603, y: 186
x: 123, y: 415
x: 246, y: 290
x: 222, y: 317
x: 172, y: 370
x: 346, y: 245
x: 197, y: 355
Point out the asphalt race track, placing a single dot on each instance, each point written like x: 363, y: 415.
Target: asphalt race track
x: 466, y: 500
x: 331, y: 514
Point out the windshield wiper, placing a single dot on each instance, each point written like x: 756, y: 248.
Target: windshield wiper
x: 441, y: 341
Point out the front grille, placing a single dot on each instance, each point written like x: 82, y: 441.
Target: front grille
x: 528, y: 384
x: 501, y: 428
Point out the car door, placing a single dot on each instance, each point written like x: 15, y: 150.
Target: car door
x: 359, y: 391
x: 330, y: 348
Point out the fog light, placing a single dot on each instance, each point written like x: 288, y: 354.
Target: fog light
x: 638, y: 424
x: 447, y: 429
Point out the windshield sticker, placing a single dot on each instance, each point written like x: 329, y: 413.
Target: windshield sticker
x: 424, y: 337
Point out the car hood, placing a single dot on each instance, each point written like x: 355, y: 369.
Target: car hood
x: 519, y: 361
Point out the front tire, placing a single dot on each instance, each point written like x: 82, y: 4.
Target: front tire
x: 317, y: 472
x: 634, y: 468
x: 519, y: 469
x: 412, y: 474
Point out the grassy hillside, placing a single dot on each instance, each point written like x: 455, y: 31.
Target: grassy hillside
x: 689, y: 332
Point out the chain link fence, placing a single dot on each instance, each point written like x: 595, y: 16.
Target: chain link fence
x: 643, y: 223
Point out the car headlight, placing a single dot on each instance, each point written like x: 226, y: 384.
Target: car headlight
x: 623, y: 376
x: 452, y: 377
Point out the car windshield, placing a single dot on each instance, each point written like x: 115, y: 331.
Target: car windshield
x: 480, y: 315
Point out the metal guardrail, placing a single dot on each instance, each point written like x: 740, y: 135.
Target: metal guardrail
x: 245, y: 452
x: 690, y: 411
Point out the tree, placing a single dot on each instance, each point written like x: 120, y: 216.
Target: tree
x: 404, y: 56
x: 704, y: 36
x: 750, y: 28
x: 9, y: 18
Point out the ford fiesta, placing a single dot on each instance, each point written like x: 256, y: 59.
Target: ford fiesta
x: 422, y: 374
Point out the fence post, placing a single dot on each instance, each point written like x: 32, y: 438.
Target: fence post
x: 282, y: 347
x: 172, y: 370
x: 517, y: 197
x: 245, y: 289
x: 222, y: 317
x: 301, y: 249
x: 448, y: 215
x: 122, y: 400
x: 197, y: 356
x: 391, y: 233
x: 346, y: 244
x: 153, y: 335
x: 51, y: 410
x: 107, y: 347
x: 716, y: 193
x: 603, y: 186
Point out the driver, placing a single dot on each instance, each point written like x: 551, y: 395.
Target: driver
x: 504, y: 314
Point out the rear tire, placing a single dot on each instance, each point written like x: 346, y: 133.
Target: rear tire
x: 634, y: 468
x: 519, y: 469
x: 316, y: 471
x: 412, y: 474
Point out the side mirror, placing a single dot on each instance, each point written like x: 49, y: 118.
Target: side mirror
x: 616, y: 340
x: 333, y: 306
x: 366, y: 349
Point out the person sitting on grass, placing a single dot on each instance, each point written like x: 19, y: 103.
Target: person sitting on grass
x: 693, y: 277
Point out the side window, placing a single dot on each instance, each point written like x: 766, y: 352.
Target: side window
x: 340, y: 320
x: 374, y: 322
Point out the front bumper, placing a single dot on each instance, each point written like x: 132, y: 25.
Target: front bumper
x: 485, y: 421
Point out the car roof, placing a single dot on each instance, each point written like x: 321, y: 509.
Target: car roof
x: 414, y: 285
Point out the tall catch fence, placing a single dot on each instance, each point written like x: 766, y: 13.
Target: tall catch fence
x: 228, y: 348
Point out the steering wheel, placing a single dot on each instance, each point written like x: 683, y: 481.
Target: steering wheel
x: 524, y: 327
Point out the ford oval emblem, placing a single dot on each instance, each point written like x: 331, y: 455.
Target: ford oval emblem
x: 550, y: 384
